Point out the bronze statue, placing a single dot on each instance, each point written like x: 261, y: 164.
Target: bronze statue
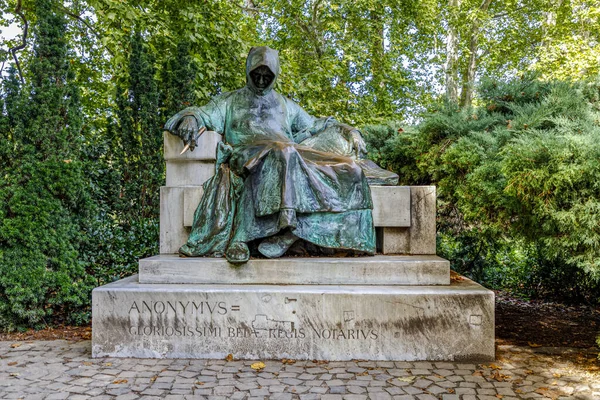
x: 281, y: 175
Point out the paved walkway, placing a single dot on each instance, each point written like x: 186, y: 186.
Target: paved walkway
x: 61, y: 369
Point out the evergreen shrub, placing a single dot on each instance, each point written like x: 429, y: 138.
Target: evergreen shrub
x: 44, y: 194
x: 518, y: 184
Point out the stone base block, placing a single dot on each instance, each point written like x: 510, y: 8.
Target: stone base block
x: 454, y: 322
x: 377, y: 270
x: 184, y: 173
x: 420, y: 237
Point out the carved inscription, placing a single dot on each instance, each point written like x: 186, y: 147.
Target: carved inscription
x: 160, y: 307
x: 210, y: 319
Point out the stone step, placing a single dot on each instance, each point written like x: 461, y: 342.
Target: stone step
x: 300, y: 322
x: 376, y: 270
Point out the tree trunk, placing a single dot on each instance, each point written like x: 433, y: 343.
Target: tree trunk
x: 468, y: 83
x: 378, y: 60
x: 452, y: 54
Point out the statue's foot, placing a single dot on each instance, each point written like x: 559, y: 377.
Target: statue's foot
x: 276, y: 246
x: 237, y: 253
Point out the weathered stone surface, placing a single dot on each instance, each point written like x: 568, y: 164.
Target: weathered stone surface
x: 391, y: 205
x: 395, y: 240
x: 420, y: 237
x: 205, y: 151
x: 377, y: 270
x: 185, y: 173
x: 454, y: 322
x: 191, y: 198
x: 172, y: 232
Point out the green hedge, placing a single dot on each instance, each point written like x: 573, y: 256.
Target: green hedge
x: 518, y: 182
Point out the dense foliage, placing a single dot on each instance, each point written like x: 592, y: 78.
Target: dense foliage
x: 44, y: 193
x: 82, y: 109
x: 517, y: 178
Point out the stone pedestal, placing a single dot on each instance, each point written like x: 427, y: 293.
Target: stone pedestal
x: 303, y: 322
x: 398, y: 305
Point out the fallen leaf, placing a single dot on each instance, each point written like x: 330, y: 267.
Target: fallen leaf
x: 258, y: 366
x: 518, y: 391
x: 450, y: 390
x: 15, y: 345
x: 14, y: 374
x: 88, y: 363
x: 120, y: 381
x: 494, y: 366
x: 547, y: 393
x: 406, y: 378
x: 12, y: 363
x: 455, y: 277
x: 108, y: 365
x: 477, y: 373
x: 199, y: 383
x: 229, y: 357
x: 499, y: 377
x: 287, y: 361
x: 528, y: 372
x: 499, y: 396
x: 531, y: 344
x: 153, y: 378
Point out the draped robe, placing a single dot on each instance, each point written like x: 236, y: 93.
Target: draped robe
x: 267, y: 180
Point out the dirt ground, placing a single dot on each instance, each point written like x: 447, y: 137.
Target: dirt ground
x: 518, y: 322
x: 539, y: 323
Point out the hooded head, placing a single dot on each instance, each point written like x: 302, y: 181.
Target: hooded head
x: 262, y: 69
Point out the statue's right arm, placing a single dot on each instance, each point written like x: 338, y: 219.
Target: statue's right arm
x: 186, y: 123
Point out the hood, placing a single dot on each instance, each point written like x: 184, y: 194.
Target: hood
x: 258, y: 57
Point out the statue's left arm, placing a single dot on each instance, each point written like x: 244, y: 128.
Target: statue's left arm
x: 301, y: 122
x: 304, y: 126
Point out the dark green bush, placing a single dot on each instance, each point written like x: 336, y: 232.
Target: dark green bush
x: 517, y: 178
x: 78, y: 204
x: 44, y: 194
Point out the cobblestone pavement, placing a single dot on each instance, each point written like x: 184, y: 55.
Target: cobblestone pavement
x: 60, y: 369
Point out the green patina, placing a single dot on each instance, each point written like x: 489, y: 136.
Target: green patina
x: 281, y: 175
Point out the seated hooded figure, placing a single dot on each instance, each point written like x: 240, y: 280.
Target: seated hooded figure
x: 281, y: 175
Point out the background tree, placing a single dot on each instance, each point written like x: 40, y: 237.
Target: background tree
x: 44, y: 191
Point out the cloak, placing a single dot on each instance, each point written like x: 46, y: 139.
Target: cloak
x: 279, y: 168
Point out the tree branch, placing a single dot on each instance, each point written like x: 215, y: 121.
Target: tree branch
x: 257, y: 10
x: 13, y: 50
x: 506, y: 13
x: 86, y: 23
x: 2, y: 69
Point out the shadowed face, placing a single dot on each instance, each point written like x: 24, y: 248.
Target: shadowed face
x: 262, y: 77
